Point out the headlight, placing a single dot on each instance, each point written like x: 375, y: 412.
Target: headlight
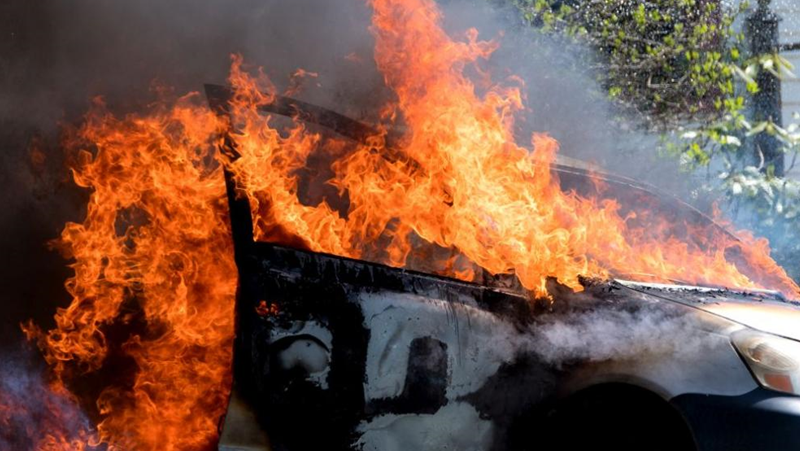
x: 774, y: 361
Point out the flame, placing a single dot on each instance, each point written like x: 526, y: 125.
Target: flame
x: 463, y: 183
x: 152, y: 312
x: 154, y: 279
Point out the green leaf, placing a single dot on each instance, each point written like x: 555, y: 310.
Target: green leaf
x: 757, y: 129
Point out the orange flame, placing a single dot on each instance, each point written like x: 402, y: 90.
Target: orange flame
x: 153, y: 258
x: 464, y: 184
x: 154, y: 276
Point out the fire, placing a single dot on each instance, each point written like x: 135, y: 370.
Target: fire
x: 154, y: 280
x: 152, y: 311
x: 464, y: 184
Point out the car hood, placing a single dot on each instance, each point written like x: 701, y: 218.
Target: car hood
x: 767, y: 311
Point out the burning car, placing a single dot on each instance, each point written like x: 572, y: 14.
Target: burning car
x: 344, y: 353
x: 427, y: 277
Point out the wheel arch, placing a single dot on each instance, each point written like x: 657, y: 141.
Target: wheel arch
x: 619, y: 414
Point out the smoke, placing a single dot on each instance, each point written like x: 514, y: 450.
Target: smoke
x: 563, y: 97
x: 617, y: 334
x: 117, y: 49
x: 32, y: 413
x: 56, y: 56
x: 62, y: 54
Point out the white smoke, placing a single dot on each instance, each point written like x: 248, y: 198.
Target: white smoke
x: 613, y: 334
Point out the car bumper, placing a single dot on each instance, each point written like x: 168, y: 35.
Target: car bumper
x: 761, y: 420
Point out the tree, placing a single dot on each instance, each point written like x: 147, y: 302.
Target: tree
x: 680, y: 68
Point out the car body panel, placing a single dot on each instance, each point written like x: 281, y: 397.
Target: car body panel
x: 761, y: 420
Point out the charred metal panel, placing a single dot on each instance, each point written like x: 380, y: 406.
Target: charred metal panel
x: 425, y: 381
x: 449, y: 347
x: 331, y: 291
